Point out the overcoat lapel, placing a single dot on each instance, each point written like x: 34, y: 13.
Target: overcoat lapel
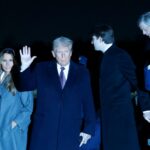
x: 53, y: 76
x: 71, y: 76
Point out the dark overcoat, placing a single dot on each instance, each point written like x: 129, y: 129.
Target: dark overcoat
x: 59, y: 113
x: 117, y: 79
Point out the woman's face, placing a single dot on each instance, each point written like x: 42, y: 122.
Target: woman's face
x: 7, y: 62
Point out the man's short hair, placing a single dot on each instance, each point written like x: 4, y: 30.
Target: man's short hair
x: 62, y: 41
x: 105, y: 32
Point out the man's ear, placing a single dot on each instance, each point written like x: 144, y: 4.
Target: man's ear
x: 53, y: 53
x: 100, y: 39
x: 71, y: 53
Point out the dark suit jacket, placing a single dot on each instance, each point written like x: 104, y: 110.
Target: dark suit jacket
x: 58, y: 115
x: 117, y: 79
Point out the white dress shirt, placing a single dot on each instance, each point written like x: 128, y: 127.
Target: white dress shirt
x: 66, y: 70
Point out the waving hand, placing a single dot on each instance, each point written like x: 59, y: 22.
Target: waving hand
x: 26, y: 59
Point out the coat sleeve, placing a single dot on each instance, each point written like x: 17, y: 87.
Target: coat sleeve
x: 26, y: 107
x: 26, y: 80
x: 128, y: 69
x: 88, y: 106
x: 144, y: 100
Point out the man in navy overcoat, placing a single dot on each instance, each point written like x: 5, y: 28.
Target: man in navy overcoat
x: 59, y: 110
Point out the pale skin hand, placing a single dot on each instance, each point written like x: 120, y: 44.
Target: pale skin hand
x: 146, y: 115
x: 148, y: 67
x: 26, y: 59
x: 85, y: 138
x: 13, y: 124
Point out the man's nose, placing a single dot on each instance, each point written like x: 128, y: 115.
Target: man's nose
x: 144, y: 32
x: 62, y: 54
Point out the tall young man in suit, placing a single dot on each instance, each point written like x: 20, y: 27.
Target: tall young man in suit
x: 117, y: 80
x: 60, y: 109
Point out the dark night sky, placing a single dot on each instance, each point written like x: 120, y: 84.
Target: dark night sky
x: 26, y: 21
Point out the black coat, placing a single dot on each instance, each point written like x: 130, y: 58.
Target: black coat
x: 58, y: 115
x: 117, y: 79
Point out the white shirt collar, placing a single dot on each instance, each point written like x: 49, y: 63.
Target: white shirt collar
x: 66, y: 70
x: 2, y: 76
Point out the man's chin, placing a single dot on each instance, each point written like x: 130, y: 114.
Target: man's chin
x: 63, y: 64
